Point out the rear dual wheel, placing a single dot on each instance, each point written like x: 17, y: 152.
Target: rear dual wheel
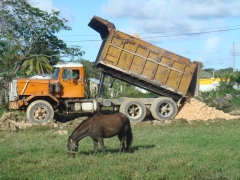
x: 134, y: 109
x: 164, y: 108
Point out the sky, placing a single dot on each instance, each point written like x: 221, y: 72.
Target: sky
x: 201, y: 30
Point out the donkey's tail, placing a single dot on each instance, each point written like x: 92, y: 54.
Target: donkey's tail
x: 129, y: 138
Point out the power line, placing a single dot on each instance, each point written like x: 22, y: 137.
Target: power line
x: 163, y: 36
x: 220, y: 29
x: 172, y: 35
x: 191, y: 30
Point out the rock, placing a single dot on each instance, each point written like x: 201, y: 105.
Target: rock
x: 146, y: 122
x: 8, y: 126
x: 221, y: 102
x: 157, y: 122
x: 64, y: 125
x: 65, y: 132
x: 45, y: 124
x: 61, y: 132
x: 229, y: 97
x: 179, y: 121
x: 55, y: 125
x: 168, y: 122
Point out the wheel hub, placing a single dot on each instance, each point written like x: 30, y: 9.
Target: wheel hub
x: 133, y: 111
x: 40, y: 113
x: 164, y: 109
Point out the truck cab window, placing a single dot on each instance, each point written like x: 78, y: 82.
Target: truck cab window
x: 70, y: 74
x: 75, y: 74
x: 66, y: 74
x: 56, y: 73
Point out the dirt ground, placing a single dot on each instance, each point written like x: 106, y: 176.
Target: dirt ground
x: 191, y: 110
x: 12, y: 122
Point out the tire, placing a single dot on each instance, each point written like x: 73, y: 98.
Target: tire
x: 39, y: 111
x: 164, y: 109
x: 133, y: 109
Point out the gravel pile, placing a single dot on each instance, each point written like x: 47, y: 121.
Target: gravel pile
x: 194, y: 109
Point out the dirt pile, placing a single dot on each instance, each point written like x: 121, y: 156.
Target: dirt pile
x: 12, y: 122
x: 194, y: 109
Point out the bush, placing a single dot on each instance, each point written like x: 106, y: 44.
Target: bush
x: 225, y: 97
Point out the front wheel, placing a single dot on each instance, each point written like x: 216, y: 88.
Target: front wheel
x: 39, y: 111
x: 135, y: 110
x: 164, y: 108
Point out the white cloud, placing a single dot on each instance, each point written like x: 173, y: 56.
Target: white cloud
x: 165, y: 15
x: 66, y: 13
x: 46, y: 5
x: 211, y: 45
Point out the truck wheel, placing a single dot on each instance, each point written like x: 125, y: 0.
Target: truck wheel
x: 133, y: 109
x: 39, y: 111
x: 164, y: 108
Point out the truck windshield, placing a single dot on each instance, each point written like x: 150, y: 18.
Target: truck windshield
x: 56, y: 73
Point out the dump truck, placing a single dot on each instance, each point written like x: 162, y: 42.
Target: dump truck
x: 171, y: 77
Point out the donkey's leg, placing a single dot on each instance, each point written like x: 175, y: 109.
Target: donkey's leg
x: 102, y: 145
x: 95, y: 143
x: 122, y: 142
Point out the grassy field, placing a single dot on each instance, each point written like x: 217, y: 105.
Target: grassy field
x: 173, y: 151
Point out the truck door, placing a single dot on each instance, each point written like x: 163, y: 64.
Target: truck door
x: 72, y: 82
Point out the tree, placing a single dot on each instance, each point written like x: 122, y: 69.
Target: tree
x: 28, y: 33
x: 235, y: 77
x: 90, y: 72
x: 40, y: 65
x: 209, y: 70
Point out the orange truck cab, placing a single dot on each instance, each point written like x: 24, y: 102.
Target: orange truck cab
x: 64, y: 91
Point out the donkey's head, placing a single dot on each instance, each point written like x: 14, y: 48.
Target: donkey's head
x: 72, y: 147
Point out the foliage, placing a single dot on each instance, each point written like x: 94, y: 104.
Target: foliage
x: 90, y: 72
x: 115, y: 88
x: 8, y: 55
x: 214, y: 72
x: 225, y: 84
x: 227, y: 80
x: 219, y: 72
x: 1, y: 111
x: 210, y: 70
x: 235, y: 77
x: 39, y: 65
x: 171, y: 151
x: 28, y: 33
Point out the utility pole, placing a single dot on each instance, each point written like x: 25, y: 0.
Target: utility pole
x: 233, y: 57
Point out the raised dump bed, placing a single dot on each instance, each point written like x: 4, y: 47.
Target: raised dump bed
x: 140, y: 63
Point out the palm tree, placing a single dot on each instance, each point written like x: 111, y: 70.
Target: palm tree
x: 38, y: 65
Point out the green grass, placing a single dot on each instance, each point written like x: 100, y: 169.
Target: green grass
x: 236, y: 102
x: 1, y: 112
x: 174, y: 151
